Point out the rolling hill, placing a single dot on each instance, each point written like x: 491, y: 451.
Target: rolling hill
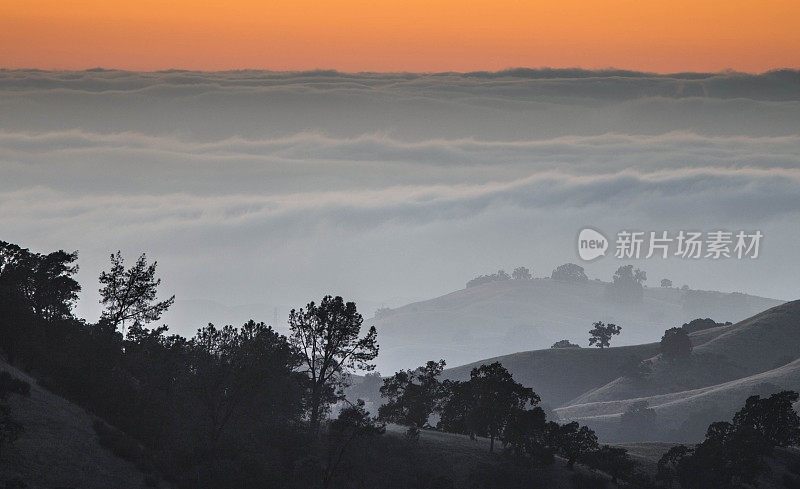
x: 510, y: 316
x: 60, y: 448
x: 759, y: 355
x: 560, y: 375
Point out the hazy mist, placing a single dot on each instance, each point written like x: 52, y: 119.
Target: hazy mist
x: 276, y: 188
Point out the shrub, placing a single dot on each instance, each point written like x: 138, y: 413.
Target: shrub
x: 500, y: 276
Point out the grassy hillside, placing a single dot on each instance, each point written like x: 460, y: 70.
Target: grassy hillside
x: 673, y: 408
x: 766, y: 341
x: 759, y: 355
x: 504, y: 317
x: 59, y: 447
x: 462, y: 461
x: 562, y: 374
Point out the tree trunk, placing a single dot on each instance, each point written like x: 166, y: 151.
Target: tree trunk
x: 491, y: 444
x: 314, y: 421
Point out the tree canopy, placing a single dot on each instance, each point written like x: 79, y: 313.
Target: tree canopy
x: 130, y: 294
x: 412, y: 395
x: 569, y: 272
x: 600, y: 335
x: 328, y: 336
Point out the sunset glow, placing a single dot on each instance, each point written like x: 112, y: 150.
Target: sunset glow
x: 394, y: 35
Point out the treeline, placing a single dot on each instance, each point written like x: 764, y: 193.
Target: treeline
x: 492, y: 404
x: 229, y: 407
x: 568, y: 272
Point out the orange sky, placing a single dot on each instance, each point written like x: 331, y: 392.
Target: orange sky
x: 401, y: 35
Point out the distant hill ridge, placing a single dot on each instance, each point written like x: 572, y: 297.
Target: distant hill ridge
x: 502, y: 317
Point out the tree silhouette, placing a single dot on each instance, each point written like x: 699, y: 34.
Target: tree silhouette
x: 628, y: 284
x: 485, y: 404
x: 353, y: 424
x: 238, y: 370
x: 675, y: 344
x: 524, y: 434
x: 735, y: 453
x: 327, y: 336
x: 602, y: 333
x: 34, y: 289
x: 569, y: 272
x: 412, y: 395
x: 573, y: 441
x: 564, y: 344
x: 130, y: 294
x: 772, y: 418
x: 612, y: 460
x: 495, y: 397
x: 521, y: 273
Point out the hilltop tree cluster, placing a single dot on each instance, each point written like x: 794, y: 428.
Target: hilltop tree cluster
x: 569, y: 272
x: 627, y: 285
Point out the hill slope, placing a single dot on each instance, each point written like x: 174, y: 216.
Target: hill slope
x: 561, y: 374
x: 759, y: 355
x: 510, y: 316
x: 59, y: 447
x: 674, y: 408
x: 758, y: 344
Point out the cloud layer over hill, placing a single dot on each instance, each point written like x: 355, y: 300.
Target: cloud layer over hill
x: 278, y: 187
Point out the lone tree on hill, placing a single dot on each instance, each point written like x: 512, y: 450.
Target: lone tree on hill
x: 327, y: 336
x: 130, y: 295
x: 600, y: 335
